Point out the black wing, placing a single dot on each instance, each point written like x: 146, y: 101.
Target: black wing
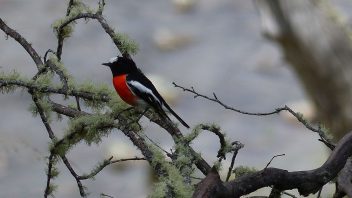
x: 142, y: 87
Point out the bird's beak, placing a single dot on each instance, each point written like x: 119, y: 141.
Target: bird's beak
x: 106, y: 64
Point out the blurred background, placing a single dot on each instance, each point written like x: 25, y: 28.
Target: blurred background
x: 214, y: 46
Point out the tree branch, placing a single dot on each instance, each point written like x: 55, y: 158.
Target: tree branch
x: 306, y: 182
x: 106, y: 163
x: 298, y: 116
x: 237, y: 147
x: 53, y: 90
x: 22, y: 41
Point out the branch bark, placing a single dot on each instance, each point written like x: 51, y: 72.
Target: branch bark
x: 306, y: 182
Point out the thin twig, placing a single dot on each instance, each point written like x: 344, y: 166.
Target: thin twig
x: 60, y: 73
x: 237, y: 147
x: 60, y: 39
x: 42, y: 115
x: 22, y: 41
x: 105, y: 195
x: 273, y: 159
x: 319, y: 193
x: 77, y: 103
x: 289, y: 194
x: 157, y: 145
x: 74, y: 174
x: 106, y: 163
x: 298, y: 116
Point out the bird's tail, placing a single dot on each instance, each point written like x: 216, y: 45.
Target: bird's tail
x: 175, y: 115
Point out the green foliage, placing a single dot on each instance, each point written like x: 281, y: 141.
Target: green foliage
x: 127, y: 45
x: 243, y: 170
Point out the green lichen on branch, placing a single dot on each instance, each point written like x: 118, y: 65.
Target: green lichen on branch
x: 98, y: 90
x: 128, y: 46
x: 225, y: 144
x: 90, y: 128
x: 184, y: 159
x: 172, y: 181
x: 45, y: 106
x: 52, y: 188
x: 65, y: 31
x: 58, y: 67
x: 4, y: 78
x: 97, y: 169
x: 52, y: 172
x: 240, y: 171
x: 95, y: 127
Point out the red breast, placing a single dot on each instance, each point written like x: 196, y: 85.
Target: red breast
x: 122, y: 89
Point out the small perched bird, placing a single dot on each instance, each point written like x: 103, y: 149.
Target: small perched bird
x: 136, y: 89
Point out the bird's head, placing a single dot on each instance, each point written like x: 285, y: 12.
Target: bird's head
x: 121, y: 65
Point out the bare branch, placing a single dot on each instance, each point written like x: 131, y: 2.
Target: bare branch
x: 237, y: 146
x: 22, y: 41
x: 77, y: 103
x: 298, y: 116
x: 267, y: 165
x: 74, y: 174
x: 306, y: 182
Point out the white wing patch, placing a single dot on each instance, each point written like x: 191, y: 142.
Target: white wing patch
x: 113, y: 59
x: 142, y: 88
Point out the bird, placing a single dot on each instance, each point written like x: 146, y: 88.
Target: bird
x: 136, y: 89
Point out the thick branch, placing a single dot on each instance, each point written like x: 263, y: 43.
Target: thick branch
x: 344, y: 180
x: 306, y: 182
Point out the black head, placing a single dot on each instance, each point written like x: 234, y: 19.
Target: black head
x: 121, y: 65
